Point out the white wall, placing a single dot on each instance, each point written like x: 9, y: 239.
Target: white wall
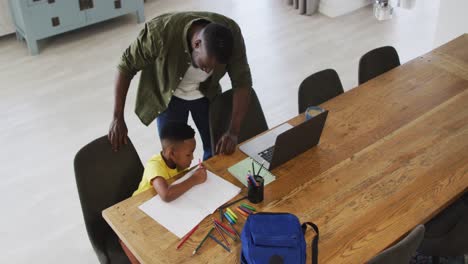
x: 334, y: 8
x: 452, y: 20
x: 6, y: 23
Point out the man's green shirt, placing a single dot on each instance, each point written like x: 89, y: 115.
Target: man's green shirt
x: 162, y: 54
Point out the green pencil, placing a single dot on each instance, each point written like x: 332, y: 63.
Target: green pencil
x: 203, y: 241
x: 248, y: 206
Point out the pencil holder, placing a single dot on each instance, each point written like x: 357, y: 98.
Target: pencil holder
x: 255, y: 193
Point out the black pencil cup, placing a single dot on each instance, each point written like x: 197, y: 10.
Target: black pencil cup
x: 255, y: 193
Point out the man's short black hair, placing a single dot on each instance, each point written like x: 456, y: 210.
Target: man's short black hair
x: 219, y: 42
x: 176, y: 131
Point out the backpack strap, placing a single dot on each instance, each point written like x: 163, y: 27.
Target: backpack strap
x: 314, y: 245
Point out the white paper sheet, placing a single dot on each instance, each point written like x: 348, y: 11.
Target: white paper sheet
x: 184, y: 213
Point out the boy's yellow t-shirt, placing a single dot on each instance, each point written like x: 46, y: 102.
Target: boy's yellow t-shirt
x: 156, y: 166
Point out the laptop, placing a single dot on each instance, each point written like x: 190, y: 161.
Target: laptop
x: 285, y: 142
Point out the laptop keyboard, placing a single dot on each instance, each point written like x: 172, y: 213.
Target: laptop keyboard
x: 267, y: 154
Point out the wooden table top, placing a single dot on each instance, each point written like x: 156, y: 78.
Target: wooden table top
x: 393, y: 153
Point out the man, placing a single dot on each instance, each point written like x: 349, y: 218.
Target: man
x: 182, y: 56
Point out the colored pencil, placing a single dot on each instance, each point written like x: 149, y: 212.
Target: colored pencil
x: 225, y: 227
x: 242, y: 212
x: 232, y: 217
x: 221, y: 234
x: 221, y: 244
x: 254, y: 182
x: 203, y: 241
x: 253, y: 169
x: 233, y: 202
x: 187, y: 237
x: 228, y: 218
x: 237, y: 234
x: 248, y: 206
x: 245, y: 210
x: 261, y: 167
x: 232, y: 213
x: 220, y: 214
x: 226, y: 232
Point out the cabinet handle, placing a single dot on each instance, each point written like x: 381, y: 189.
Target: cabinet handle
x: 55, y: 21
x: 86, y: 4
x: 117, y: 4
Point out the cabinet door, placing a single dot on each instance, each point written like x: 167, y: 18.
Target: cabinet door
x: 54, y: 17
x: 127, y: 6
x: 102, y: 9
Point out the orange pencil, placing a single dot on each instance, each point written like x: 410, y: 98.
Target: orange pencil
x: 187, y: 236
x: 242, y: 212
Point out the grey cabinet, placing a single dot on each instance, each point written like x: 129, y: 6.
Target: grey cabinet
x: 39, y: 19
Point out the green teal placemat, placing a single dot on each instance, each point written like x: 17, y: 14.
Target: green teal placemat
x: 240, y: 169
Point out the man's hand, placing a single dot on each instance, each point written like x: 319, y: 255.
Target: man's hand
x: 226, y: 144
x: 117, y: 133
x: 199, y: 176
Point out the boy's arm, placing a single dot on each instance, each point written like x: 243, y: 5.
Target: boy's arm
x: 169, y: 193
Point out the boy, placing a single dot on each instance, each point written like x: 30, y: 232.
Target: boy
x: 178, y: 144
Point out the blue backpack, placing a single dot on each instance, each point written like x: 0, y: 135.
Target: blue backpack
x: 276, y: 238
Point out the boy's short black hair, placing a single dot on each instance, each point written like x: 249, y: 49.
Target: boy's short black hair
x: 219, y: 42
x: 176, y: 131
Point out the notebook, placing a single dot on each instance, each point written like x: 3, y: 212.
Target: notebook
x: 184, y: 213
x: 240, y: 169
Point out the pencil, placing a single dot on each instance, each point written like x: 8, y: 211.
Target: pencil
x: 253, y: 169
x: 248, y: 206
x: 245, y: 210
x: 221, y: 234
x: 221, y: 244
x: 242, y: 212
x: 232, y: 213
x: 229, y: 218
x: 203, y: 241
x: 220, y: 214
x: 261, y: 167
x: 187, y: 236
x: 226, y: 232
x: 233, y: 202
x: 225, y: 227
x: 233, y: 218
x: 237, y: 234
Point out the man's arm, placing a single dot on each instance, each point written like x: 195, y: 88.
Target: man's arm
x: 169, y: 193
x: 118, y: 129
x: 142, y: 52
x: 241, y: 80
x: 240, y: 103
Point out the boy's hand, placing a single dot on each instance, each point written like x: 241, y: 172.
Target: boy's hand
x: 199, y: 176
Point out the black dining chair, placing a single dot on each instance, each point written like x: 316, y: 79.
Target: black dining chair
x: 104, y: 178
x: 447, y: 232
x: 319, y: 88
x: 253, y: 124
x: 376, y: 62
x: 402, y: 251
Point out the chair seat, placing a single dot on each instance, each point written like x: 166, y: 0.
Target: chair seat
x: 114, y: 250
x: 447, y: 233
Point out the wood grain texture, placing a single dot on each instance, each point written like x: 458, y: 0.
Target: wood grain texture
x: 393, y: 153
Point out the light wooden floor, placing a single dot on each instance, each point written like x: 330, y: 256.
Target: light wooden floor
x: 54, y: 103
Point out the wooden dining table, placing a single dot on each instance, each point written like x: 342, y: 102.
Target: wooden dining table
x: 393, y: 154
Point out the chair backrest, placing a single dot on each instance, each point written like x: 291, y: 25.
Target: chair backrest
x: 319, y: 88
x: 253, y: 124
x: 376, y: 62
x: 104, y: 178
x: 402, y: 251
